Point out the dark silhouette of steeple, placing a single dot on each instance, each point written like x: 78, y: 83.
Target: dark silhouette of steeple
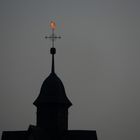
x: 52, y: 111
x: 52, y: 103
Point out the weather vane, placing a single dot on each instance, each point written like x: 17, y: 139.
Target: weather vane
x: 53, y: 36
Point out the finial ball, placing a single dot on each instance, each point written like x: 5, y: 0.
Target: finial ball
x: 52, y: 50
x: 53, y: 25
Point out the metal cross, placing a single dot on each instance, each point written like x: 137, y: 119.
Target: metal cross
x: 53, y: 36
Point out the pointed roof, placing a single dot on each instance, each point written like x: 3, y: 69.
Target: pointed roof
x: 52, y: 92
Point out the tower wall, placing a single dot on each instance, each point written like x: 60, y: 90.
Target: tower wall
x: 52, y: 118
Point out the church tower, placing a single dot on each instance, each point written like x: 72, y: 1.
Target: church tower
x: 52, y: 103
x: 52, y: 111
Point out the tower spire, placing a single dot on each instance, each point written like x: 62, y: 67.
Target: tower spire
x: 53, y: 38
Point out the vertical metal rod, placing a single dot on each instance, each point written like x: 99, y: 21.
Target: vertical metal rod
x: 53, y: 67
x: 53, y: 38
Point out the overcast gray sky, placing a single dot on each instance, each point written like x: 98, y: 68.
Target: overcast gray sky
x: 98, y: 60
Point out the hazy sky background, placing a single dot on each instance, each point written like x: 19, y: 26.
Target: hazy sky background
x: 98, y: 60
